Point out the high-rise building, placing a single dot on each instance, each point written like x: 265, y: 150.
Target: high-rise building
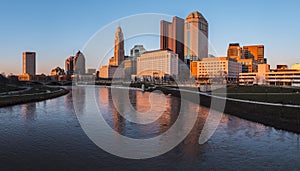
x: 75, y: 64
x: 195, y: 37
x: 29, y: 64
x: 130, y: 67
x: 172, y: 36
x: 249, y: 65
x: 255, y: 52
x: 69, y: 65
x: 79, y: 63
x: 137, y: 50
x: 115, y: 61
x: 119, y: 49
x: 235, y: 51
x: 130, y: 61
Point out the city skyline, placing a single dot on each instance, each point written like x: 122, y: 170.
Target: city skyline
x: 55, y: 36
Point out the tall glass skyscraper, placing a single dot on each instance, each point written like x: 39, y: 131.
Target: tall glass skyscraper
x: 196, y: 37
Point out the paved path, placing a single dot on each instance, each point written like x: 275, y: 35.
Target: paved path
x: 18, y: 95
x: 16, y: 92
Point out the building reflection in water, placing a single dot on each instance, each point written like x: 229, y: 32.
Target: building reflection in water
x: 108, y: 111
x: 29, y: 111
x: 69, y: 101
x: 80, y: 100
x: 111, y: 109
x: 118, y: 121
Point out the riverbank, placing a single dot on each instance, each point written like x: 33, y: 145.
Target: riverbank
x: 4, y: 88
x: 281, y: 95
x: 32, y: 94
x: 279, y: 117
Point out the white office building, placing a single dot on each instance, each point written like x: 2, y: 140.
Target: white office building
x: 157, y: 63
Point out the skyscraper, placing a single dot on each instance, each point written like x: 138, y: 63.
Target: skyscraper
x: 172, y: 36
x: 137, y: 50
x: 119, y: 48
x: 79, y: 63
x: 255, y: 52
x: 235, y: 51
x: 195, y: 37
x: 75, y: 64
x: 29, y: 64
x: 69, y: 65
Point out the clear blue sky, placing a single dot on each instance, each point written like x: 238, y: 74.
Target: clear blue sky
x: 55, y: 28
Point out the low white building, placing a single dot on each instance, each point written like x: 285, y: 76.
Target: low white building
x: 275, y: 77
x: 157, y: 63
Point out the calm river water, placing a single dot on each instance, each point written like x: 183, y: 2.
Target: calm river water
x: 47, y: 136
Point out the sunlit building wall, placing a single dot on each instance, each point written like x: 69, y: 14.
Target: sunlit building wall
x: 296, y: 66
x: 107, y: 72
x: 69, y: 65
x: 158, y: 63
x: 248, y: 65
x: 29, y: 63
x: 90, y: 71
x: 79, y: 63
x: 130, y: 67
x: 137, y: 50
x: 195, y: 37
x: 255, y: 52
x: 234, y: 51
x: 219, y: 67
x: 274, y: 77
x: 119, y: 52
x: 172, y: 36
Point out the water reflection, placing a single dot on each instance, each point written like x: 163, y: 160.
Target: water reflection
x: 140, y: 101
x: 80, y: 94
x: 29, y: 111
x: 55, y: 141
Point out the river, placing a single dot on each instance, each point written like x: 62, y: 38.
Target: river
x: 47, y: 136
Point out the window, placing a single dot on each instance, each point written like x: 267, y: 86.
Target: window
x: 188, y: 25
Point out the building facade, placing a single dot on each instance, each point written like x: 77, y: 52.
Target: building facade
x: 90, y: 71
x: 274, y: 77
x: 172, y: 36
x: 249, y: 65
x: 119, y: 52
x: 69, y: 65
x: 57, y: 71
x: 79, y: 63
x: 107, y: 72
x: 137, y: 51
x: 158, y: 63
x: 255, y: 52
x: 130, y: 67
x: 195, y: 37
x: 296, y: 66
x: 28, y: 66
x: 75, y: 64
x: 29, y: 63
x: 235, y: 51
x: 208, y: 69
